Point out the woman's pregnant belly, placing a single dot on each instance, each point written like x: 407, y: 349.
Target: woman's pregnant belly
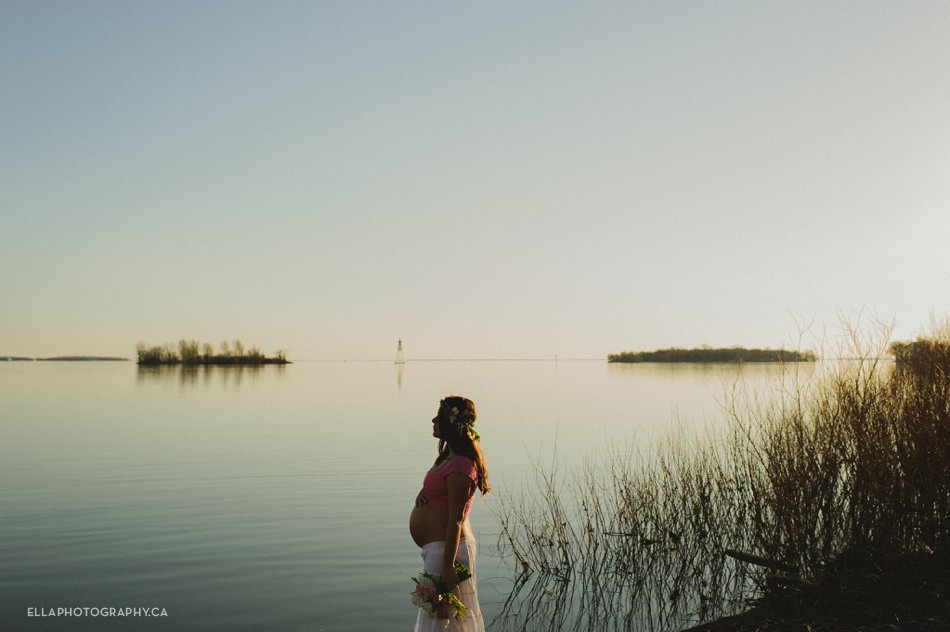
x: 427, y: 524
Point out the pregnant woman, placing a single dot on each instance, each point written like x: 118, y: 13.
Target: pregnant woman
x: 439, y: 522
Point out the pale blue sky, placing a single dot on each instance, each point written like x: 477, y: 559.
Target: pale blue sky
x: 479, y: 179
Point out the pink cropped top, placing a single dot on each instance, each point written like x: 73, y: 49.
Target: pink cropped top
x: 434, y: 484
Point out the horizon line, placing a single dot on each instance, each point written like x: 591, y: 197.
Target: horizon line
x: 410, y: 360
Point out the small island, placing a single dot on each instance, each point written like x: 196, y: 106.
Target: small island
x: 710, y: 355
x: 188, y: 353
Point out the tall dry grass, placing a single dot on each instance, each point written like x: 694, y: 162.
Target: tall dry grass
x: 855, y: 461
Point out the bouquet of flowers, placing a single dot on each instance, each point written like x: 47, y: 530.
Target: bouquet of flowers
x: 437, y: 602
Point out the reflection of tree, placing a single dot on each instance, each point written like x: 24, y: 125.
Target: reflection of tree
x: 189, y: 375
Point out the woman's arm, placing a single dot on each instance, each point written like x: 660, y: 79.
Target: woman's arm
x: 459, y: 488
x: 422, y: 499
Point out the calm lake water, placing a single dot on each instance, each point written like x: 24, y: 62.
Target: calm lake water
x: 278, y: 498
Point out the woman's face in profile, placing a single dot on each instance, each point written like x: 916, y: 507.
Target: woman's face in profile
x: 435, y: 426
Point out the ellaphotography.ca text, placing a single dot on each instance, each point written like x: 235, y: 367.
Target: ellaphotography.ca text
x: 96, y: 612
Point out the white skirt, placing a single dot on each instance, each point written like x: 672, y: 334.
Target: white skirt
x: 432, y: 554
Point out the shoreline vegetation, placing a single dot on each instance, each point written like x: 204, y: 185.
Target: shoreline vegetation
x: 823, y: 505
x: 713, y: 355
x: 63, y: 359
x: 190, y: 353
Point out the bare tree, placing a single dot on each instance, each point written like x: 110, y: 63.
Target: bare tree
x: 188, y: 351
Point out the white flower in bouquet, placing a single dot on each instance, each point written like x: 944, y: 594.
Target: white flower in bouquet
x: 437, y: 602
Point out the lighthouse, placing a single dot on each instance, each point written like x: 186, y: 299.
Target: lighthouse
x: 400, y: 356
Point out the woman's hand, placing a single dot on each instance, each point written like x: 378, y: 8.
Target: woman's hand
x: 422, y: 499
x: 449, y: 578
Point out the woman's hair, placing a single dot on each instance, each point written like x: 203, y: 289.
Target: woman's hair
x: 457, y: 435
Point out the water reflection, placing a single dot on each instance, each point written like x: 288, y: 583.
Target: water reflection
x: 205, y: 375
x: 204, y: 486
x: 717, y: 371
x: 543, y: 603
x: 640, y: 540
x: 661, y: 597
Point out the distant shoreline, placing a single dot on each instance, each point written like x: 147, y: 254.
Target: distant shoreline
x: 64, y: 359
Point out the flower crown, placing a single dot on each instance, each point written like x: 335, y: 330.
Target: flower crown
x: 463, y: 420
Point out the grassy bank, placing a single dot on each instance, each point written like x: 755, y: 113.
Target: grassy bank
x: 849, y: 468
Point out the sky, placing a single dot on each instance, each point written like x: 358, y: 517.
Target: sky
x: 477, y: 179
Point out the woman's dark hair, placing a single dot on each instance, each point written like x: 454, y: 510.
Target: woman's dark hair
x: 457, y: 435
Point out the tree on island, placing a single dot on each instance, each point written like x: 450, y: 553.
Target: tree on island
x: 921, y: 353
x: 188, y: 354
x: 709, y: 354
x: 918, y: 350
